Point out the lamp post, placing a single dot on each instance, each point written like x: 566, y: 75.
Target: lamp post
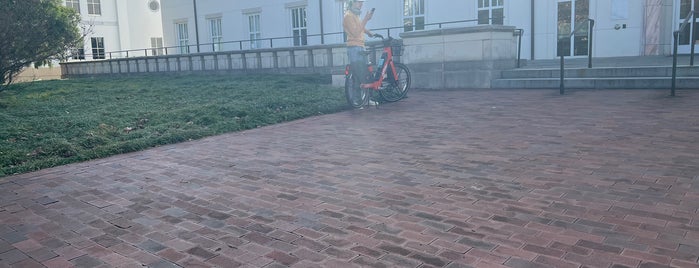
x: 196, y: 24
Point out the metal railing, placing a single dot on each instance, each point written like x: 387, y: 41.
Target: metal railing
x: 591, y: 24
x: 272, y: 42
x: 676, y: 35
x: 519, y: 33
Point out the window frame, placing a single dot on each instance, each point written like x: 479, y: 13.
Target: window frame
x: 216, y: 32
x: 299, y: 25
x: 254, y: 30
x: 74, y: 4
x: 156, y: 44
x: 182, y: 35
x: 98, y: 48
x: 78, y: 52
x: 94, y: 7
x: 492, y: 7
x: 414, y: 15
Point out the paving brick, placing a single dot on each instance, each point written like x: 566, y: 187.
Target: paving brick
x: 310, y: 244
x: 14, y: 237
x: 58, y: 263
x: 367, y: 262
x: 151, y: 246
x: 27, y: 245
x: 598, y: 246
x: 42, y: 254
x: 555, y: 262
x: 201, y: 253
x: 163, y: 264
x: 520, y: 263
x: 282, y: 258
x: 399, y: 261
x: 544, y: 250
x: 28, y: 263
x: 4, y: 246
x: 86, y: 261
x: 69, y: 252
x: 13, y: 256
x: 468, y: 178
x: 340, y: 253
x: 429, y: 260
x: 305, y: 254
x: 476, y: 243
x: 171, y: 255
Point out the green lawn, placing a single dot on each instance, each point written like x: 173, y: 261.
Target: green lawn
x: 50, y: 123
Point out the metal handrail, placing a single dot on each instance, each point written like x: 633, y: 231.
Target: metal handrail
x: 519, y: 33
x: 676, y: 35
x: 145, y: 51
x: 591, y: 23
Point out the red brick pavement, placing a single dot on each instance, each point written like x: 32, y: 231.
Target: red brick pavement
x: 441, y: 179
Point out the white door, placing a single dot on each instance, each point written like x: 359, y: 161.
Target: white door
x: 570, y: 14
x: 682, y: 8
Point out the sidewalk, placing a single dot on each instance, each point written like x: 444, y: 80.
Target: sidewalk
x: 485, y: 178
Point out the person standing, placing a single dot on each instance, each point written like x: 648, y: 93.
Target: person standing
x: 355, y: 28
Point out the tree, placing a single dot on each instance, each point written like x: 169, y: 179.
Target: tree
x: 34, y: 31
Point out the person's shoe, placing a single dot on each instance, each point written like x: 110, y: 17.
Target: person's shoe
x: 373, y: 103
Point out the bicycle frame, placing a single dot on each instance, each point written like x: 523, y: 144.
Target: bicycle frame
x: 388, y: 50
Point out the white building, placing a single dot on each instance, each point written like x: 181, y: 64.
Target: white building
x: 622, y: 27
x: 116, y: 26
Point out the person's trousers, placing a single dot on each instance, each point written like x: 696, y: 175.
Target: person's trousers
x: 358, y: 63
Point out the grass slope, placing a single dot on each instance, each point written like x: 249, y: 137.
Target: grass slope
x: 50, y: 123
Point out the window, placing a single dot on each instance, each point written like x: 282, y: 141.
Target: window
x: 75, y: 4
x: 413, y: 15
x: 255, y: 33
x: 97, y: 47
x: 94, y: 7
x: 182, y: 37
x: 216, y: 33
x: 491, y: 12
x: 298, y: 26
x: 78, y: 52
x: 157, y: 44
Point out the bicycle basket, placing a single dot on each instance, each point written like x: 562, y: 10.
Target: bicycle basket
x: 397, y: 48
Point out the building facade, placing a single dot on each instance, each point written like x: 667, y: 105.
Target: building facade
x: 622, y: 27
x: 112, y: 27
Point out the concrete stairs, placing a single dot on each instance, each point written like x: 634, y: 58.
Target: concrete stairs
x: 650, y: 72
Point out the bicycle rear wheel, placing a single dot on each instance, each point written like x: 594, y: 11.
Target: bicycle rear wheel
x: 356, y: 96
x: 396, y: 88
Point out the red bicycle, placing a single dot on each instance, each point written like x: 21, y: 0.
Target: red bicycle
x: 390, y: 79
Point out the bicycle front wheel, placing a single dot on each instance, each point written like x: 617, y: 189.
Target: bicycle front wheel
x: 397, y: 87
x: 356, y: 96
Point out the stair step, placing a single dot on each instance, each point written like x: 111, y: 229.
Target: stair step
x: 610, y: 72
x: 599, y: 83
x: 581, y: 62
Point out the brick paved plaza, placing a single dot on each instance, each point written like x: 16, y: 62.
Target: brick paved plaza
x: 489, y: 178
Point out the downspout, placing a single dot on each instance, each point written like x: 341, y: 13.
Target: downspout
x: 532, y: 31
x: 322, y: 34
x: 196, y: 24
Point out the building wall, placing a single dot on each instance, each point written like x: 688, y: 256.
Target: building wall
x: 621, y: 25
x: 124, y: 25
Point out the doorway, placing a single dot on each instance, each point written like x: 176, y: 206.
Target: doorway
x: 570, y: 14
x: 683, y: 7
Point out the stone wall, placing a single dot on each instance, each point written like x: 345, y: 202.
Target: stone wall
x: 459, y: 57
x: 324, y: 59
x: 467, y: 57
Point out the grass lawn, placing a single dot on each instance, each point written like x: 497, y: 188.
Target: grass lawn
x: 50, y: 123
